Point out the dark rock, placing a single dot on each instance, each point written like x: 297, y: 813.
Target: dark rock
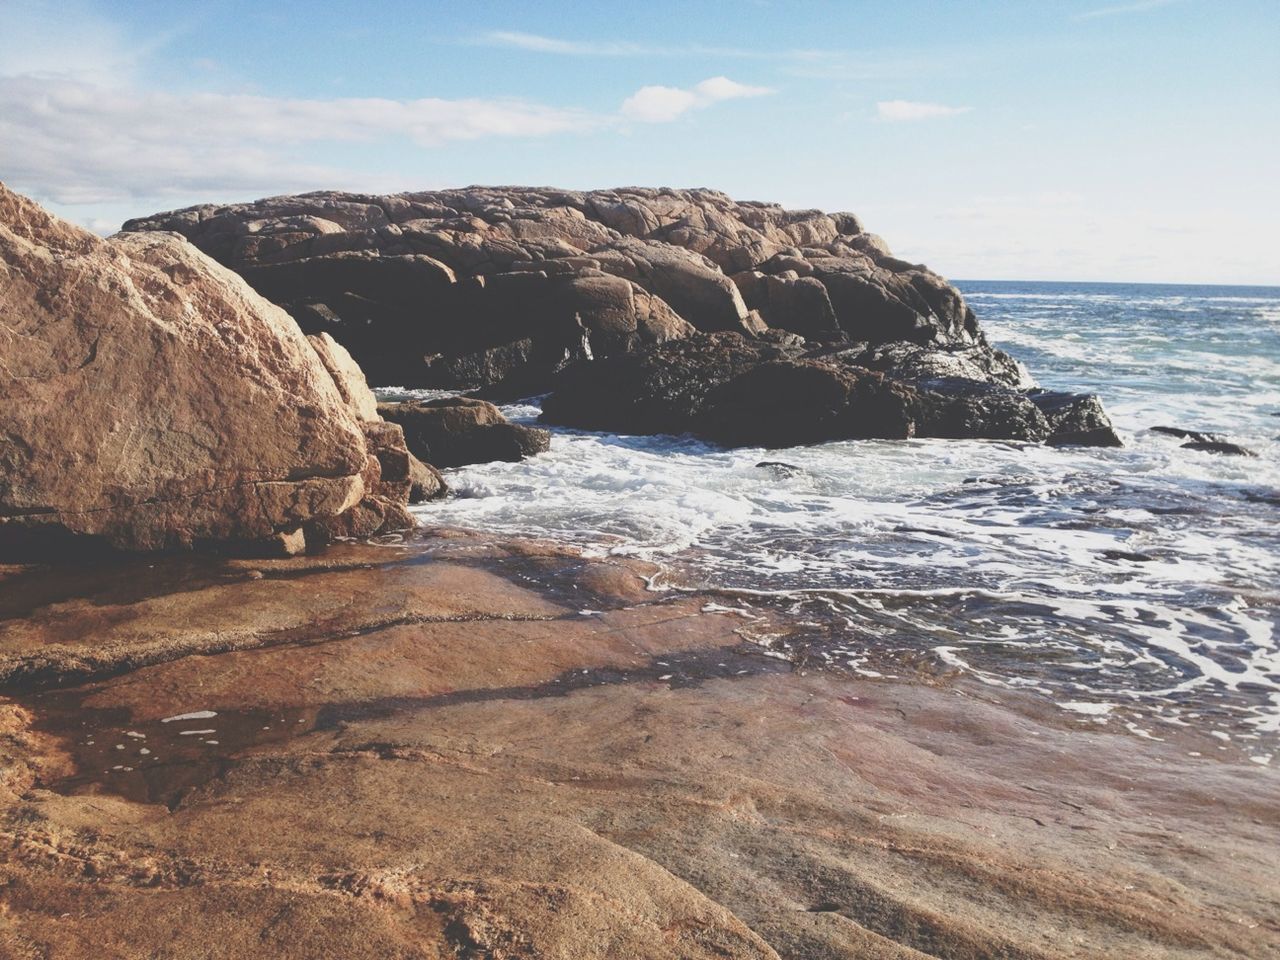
x: 1075, y: 419
x: 1130, y: 556
x: 1205, y: 442
x: 779, y: 468
x: 1219, y: 446
x: 782, y: 403
x: 456, y: 431
x: 656, y: 390
x: 425, y: 482
x: 1179, y: 432
x: 467, y: 288
x: 778, y: 391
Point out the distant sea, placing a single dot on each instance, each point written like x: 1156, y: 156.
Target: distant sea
x: 1136, y: 588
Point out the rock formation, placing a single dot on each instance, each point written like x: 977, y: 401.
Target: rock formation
x: 505, y: 288
x: 150, y: 399
x: 463, y: 288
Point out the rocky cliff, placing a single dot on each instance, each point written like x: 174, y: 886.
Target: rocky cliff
x: 150, y: 399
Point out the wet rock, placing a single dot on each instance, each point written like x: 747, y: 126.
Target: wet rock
x: 1205, y: 442
x: 657, y: 390
x: 779, y: 391
x: 425, y: 482
x: 783, y: 403
x: 904, y: 360
x: 152, y: 400
x: 1182, y: 434
x: 1076, y: 420
x: 1129, y: 555
x: 778, y: 468
x: 456, y: 431
x: 1225, y: 447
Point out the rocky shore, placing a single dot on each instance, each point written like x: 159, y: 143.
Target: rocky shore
x: 461, y: 747
x: 245, y: 711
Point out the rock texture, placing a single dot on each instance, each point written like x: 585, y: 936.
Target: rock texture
x: 150, y: 399
x: 456, y: 431
x: 777, y: 391
x: 467, y: 749
x: 463, y: 288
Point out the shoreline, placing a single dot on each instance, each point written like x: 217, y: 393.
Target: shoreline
x: 438, y: 773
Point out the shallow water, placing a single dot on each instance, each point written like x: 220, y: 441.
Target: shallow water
x: 1136, y: 588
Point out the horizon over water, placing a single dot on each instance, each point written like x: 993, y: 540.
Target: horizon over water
x: 1135, y: 588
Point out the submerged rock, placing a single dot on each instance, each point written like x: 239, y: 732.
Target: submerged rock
x: 1205, y: 442
x: 1219, y: 446
x: 150, y: 399
x: 779, y: 391
x: 456, y: 431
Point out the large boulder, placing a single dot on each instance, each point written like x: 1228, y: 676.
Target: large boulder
x: 507, y: 286
x: 150, y: 399
x: 780, y: 391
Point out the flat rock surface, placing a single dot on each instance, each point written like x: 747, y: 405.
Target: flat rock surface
x: 464, y: 747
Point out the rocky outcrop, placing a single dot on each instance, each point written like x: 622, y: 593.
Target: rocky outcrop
x: 779, y: 390
x: 474, y: 287
x: 510, y: 289
x: 150, y: 399
x: 456, y: 431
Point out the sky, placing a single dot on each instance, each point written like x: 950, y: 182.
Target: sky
x: 1125, y: 140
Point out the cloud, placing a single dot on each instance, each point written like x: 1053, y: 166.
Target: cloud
x: 903, y: 110
x: 576, y: 48
x: 658, y: 104
x: 70, y: 38
x: 539, y: 43
x: 77, y: 142
x: 1141, y: 6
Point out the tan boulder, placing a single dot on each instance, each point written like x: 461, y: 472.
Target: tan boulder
x: 150, y: 398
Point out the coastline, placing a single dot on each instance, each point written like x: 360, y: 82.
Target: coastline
x: 499, y: 747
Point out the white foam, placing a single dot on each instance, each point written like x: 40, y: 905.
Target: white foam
x: 993, y: 556
x: 195, y: 715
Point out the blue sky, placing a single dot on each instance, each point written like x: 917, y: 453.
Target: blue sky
x: 1090, y: 139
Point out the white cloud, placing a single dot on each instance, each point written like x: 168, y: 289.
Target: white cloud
x: 578, y: 48
x: 538, y: 43
x: 898, y: 110
x: 1141, y: 6
x: 657, y: 104
x: 77, y: 142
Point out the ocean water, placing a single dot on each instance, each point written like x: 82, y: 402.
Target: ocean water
x: 1136, y: 588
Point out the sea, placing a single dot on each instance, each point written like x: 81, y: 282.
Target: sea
x: 1135, y: 588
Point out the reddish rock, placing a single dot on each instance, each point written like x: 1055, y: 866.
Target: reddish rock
x: 150, y: 399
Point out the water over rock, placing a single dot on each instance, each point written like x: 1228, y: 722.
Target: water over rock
x: 150, y: 399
